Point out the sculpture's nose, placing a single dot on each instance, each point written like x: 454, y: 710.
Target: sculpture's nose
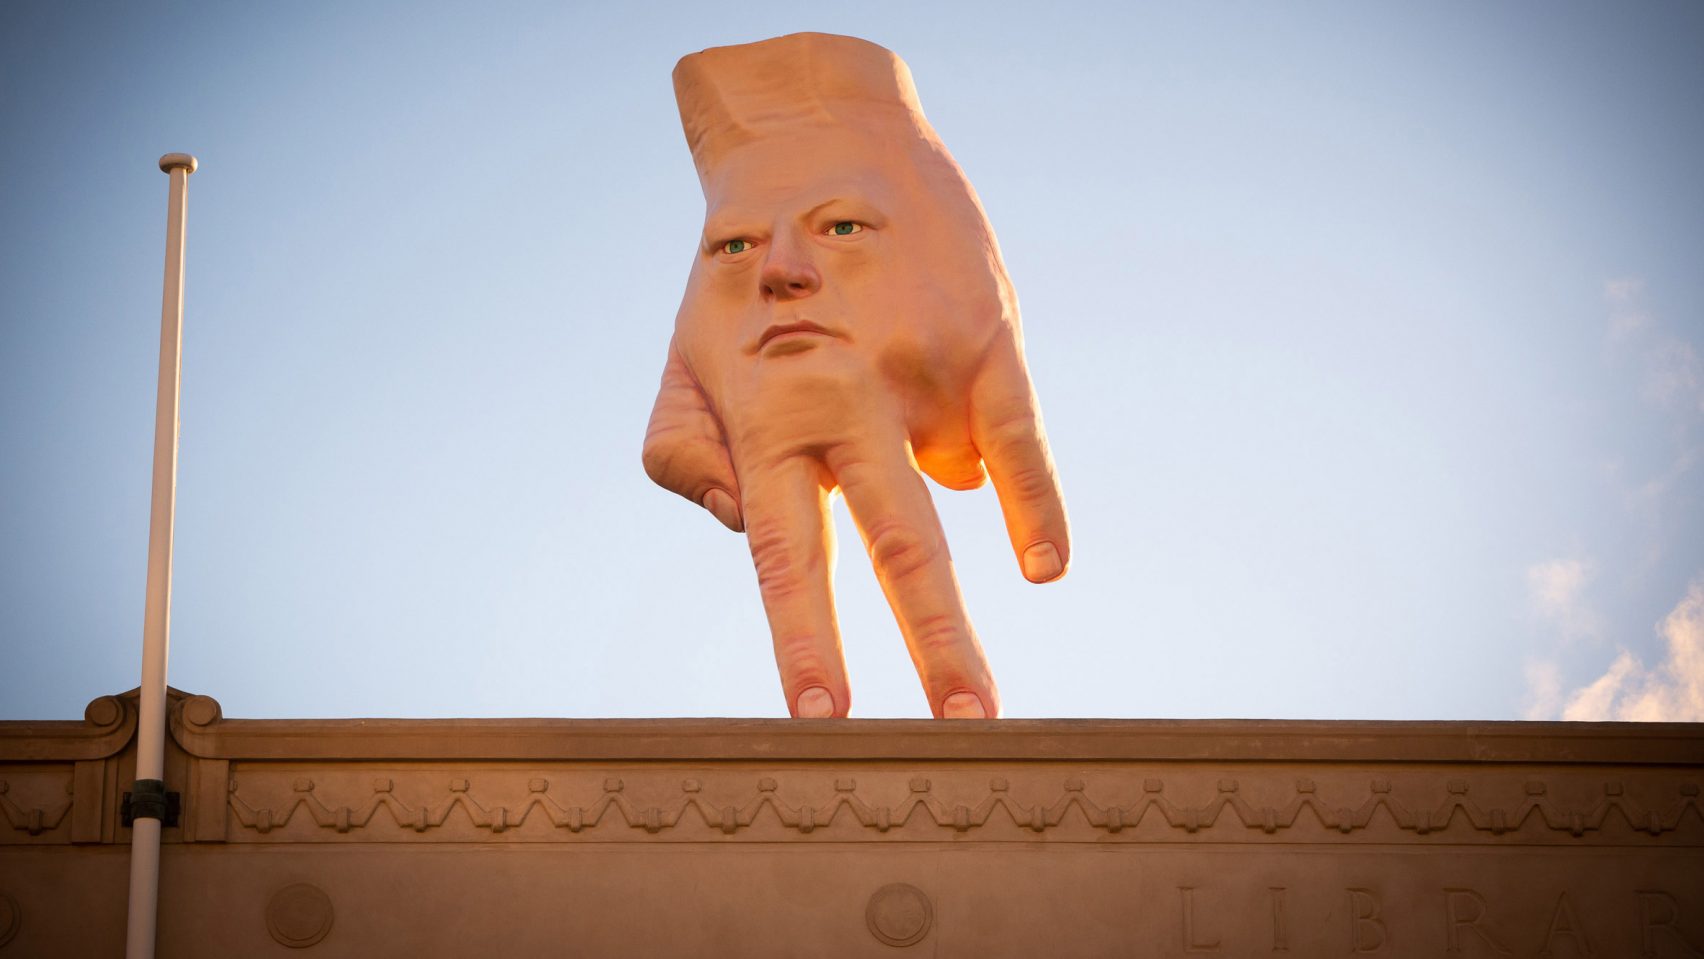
x: 788, y: 272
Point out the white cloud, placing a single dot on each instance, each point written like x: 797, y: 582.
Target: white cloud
x: 1672, y: 691
x: 1671, y: 378
x: 1556, y: 589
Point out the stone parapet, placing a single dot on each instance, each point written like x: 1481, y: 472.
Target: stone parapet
x: 862, y: 837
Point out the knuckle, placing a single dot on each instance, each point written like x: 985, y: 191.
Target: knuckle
x: 658, y: 455
x: 1014, y: 429
x: 688, y: 466
x: 898, y: 550
x: 780, y: 574
x: 939, y: 638
x: 796, y: 652
x: 1031, y: 484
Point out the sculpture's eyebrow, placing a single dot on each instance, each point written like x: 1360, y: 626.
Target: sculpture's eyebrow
x: 847, y: 206
x: 855, y: 206
x: 723, y: 223
x: 726, y: 224
x: 811, y: 213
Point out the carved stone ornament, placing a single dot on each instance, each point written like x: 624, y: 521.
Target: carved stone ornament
x: 299, y: 915
x: 899, y: 914
x: 993, y: 812
x: 11, y: 917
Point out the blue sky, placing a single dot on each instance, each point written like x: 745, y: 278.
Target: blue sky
x: 1368, y: 338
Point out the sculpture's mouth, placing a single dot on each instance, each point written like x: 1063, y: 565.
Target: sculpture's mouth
x: 790, y: 337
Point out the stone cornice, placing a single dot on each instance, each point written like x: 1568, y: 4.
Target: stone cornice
x: 1137, y: 780
x: 109, y: 723
x: 199, y: 728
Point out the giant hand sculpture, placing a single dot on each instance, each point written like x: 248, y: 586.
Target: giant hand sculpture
x: 847, y: 323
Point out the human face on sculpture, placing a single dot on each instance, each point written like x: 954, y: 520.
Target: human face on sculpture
x: 847, y: 324
x: 864, y: 253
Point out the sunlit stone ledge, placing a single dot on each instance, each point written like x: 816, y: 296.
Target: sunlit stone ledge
x: 768, y: 837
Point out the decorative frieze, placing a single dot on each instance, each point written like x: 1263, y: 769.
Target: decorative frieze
x: 454, y: 808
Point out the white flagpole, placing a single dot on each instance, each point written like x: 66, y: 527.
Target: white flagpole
x: 148, y: 795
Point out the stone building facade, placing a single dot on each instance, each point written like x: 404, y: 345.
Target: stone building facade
x: 378, y: 838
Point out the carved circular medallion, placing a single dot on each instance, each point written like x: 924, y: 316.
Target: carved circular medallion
x: 201, y: 710
x: 899, y: 914
x: 104, y: 711
x: 11, y: 917
x: 299, y: 915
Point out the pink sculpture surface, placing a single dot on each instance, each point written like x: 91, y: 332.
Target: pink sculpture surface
x: 847, y: 324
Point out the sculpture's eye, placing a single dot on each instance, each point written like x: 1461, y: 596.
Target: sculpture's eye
x: 736, y: 246
x: 845, y: 228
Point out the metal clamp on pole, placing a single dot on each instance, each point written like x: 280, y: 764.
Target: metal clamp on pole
x: 148, y: 799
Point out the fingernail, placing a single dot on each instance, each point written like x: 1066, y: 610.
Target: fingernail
x: 721, y: 506
x: 1041, y: 563
x: 815, y: 703
x: 963, y: 706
